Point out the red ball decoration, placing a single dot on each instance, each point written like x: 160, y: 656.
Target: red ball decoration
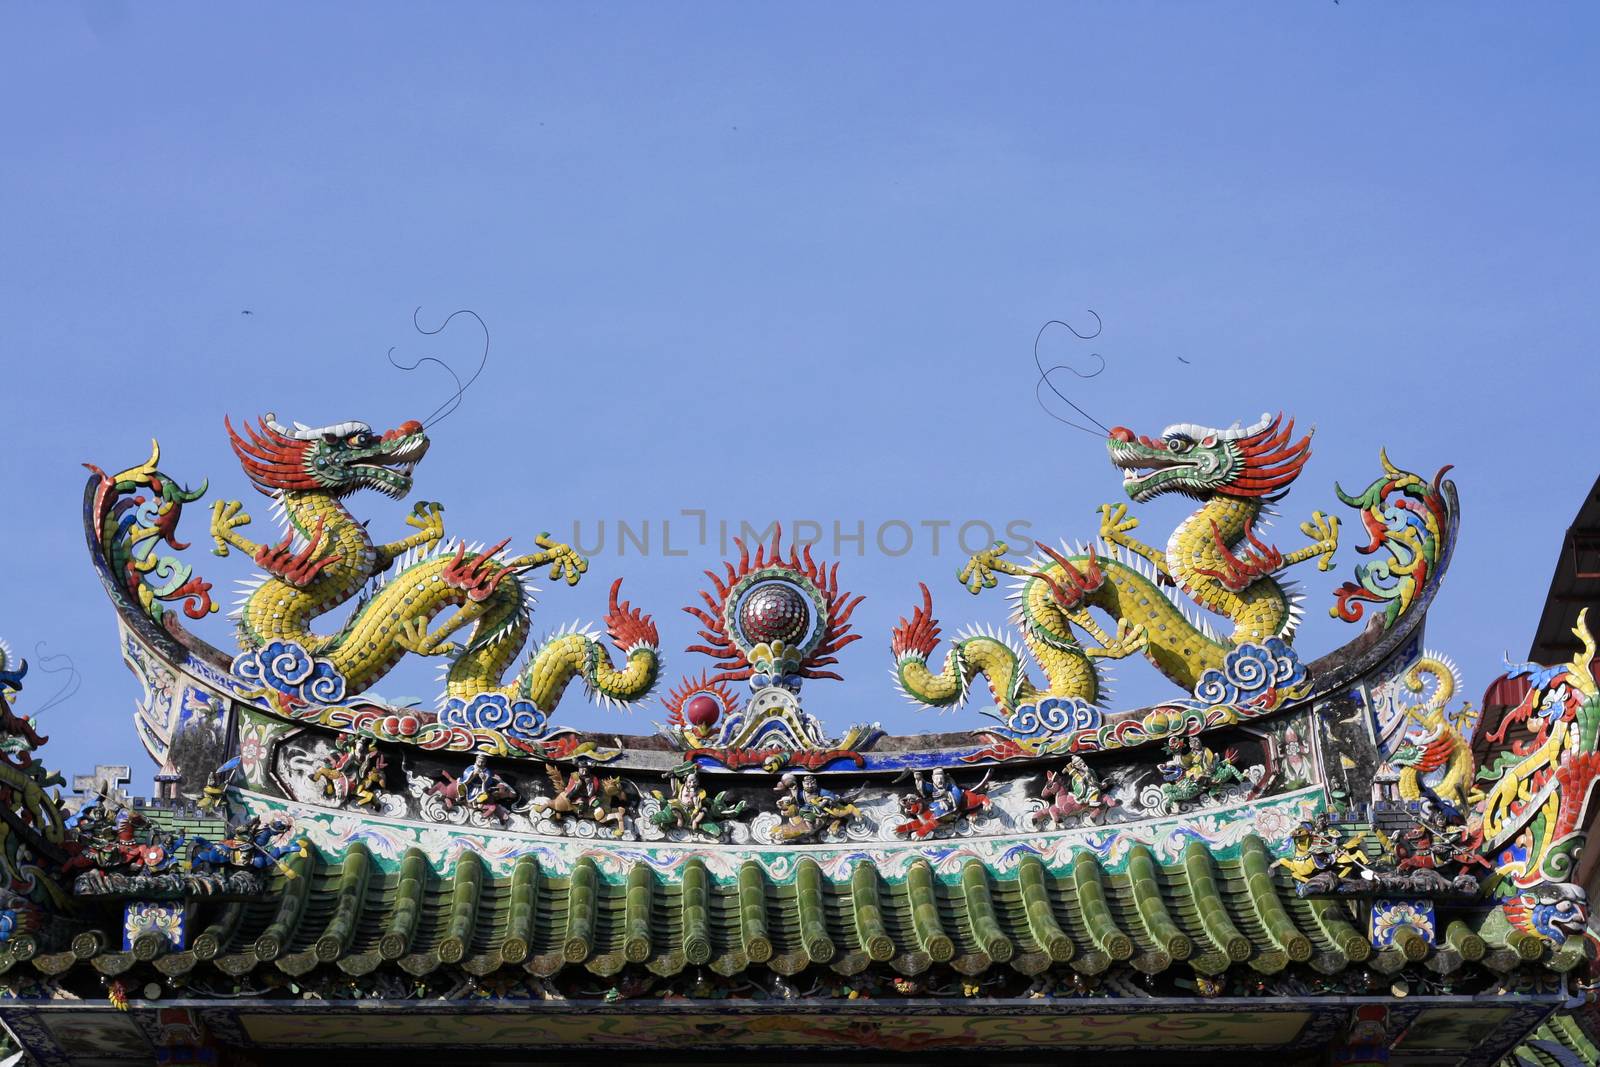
x: 702, y: 710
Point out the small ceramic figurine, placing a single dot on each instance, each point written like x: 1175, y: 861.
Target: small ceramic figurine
x: 688, y: 808
x: 810, y: 811
x: 937, y: 801
x: 255, y: 845
x: 1192, y: 770
x: 1072, y: 792
x: 479, y: 789
x: 585, y: 795
x: 353, y: 771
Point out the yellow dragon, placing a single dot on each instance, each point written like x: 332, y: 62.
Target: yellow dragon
x: 1442, y: 742
x: 1214, y: 556
x: 401, y: 587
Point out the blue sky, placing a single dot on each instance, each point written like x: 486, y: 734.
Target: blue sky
x: 788, y: 262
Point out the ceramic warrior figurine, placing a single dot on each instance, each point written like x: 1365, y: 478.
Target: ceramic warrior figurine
x: 688, y: 808
x: 1072, y: 792
x: 1323, y: 857
x: 936, y: 800
x: 256, y: 845
x: 215, y: 790
x: 124, y: 841
x: 479, y: 789
x: 353, y: 771
x: 810, y: 811
x: 1193, y: 770
x: 584, y: 795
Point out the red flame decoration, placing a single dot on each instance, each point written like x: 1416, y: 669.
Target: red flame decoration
x: 834, y: 621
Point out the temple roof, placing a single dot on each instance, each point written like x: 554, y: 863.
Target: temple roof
x: 1200, y: 912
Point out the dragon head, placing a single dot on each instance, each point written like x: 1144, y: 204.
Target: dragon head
x: 1407, y: 754
x: 1201, y: 461
x: 337, y: 459
x: 1553, y: 911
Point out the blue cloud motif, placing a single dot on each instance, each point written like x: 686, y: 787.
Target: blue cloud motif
x: 286, y: 667
x: 495, y: 711
x: 1050, y: 717
x: 1250, y: 671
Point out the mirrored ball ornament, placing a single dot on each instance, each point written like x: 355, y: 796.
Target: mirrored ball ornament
x: 775, y: 611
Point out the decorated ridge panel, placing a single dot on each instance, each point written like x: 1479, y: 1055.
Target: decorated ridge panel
x: 1231, y: 1026
x: 772, y: 620
x: 1221, y: 830
x: 1249, y: 762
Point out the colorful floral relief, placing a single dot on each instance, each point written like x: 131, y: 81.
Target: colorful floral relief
x: 1389, y: 917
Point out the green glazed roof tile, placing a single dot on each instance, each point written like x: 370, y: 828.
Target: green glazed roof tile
x: 1195, y: 912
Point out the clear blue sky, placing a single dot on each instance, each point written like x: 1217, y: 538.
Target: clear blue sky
x: 788, y: 262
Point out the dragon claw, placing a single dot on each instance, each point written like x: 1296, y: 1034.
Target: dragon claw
x: 978, y: 574
x: 1115, y: 521
x: 1324, y: 532
x: 428, y: 517
x: 1129, y: 639
x: 566, y: 563
x: 412, y: 635
x: 227, y: 516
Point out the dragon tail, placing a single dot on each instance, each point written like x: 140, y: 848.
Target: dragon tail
x: 989, y: 655
x: 580, y: 654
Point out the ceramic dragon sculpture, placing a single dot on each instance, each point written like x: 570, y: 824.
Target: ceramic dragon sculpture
x: 328, y: 558
x: 1215, y: 557
x: 1440, y: 746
